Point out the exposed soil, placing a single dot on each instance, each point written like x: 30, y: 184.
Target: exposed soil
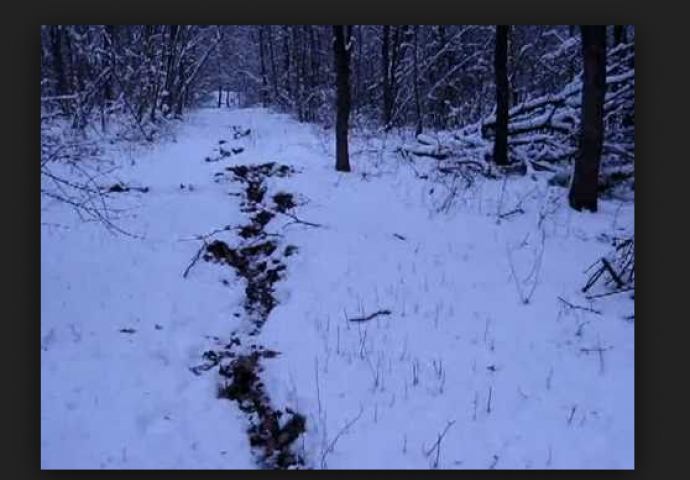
x: 122, y: 188
x: 284, y: 201
x: 272, y: 432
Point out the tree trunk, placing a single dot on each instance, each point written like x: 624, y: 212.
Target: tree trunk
x: 299, y: 71
x: 502, y: 95
x: 395, y: 50
x: 619, y: 35
x: 585, y: 182
x: 272, y: 59
x: 262, y: 60
x: 62, y: 85
x: 150, y: 30
x: 445, y: 92
x: 342, y: 66
x: 110, y: 32
x: 418, y: 104
x: 220, y: 60
x: 386, y: 72
x: 287, y: 63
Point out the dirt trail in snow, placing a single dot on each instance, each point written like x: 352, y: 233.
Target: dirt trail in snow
x: 458, y: 344
x: 257, y: 260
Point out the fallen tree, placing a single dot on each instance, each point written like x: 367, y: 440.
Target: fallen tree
x: 543, y: 133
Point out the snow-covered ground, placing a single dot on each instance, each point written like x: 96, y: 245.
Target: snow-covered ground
x: 461, y: 374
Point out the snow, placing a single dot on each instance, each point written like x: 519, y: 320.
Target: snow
x: 116, y: 400
x: 459, y: 331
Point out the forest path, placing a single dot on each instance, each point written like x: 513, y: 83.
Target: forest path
x: 120, y: 326
x: 523, y: 384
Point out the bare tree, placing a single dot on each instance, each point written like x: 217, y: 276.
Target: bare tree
x: 262, y: 57
x: 619, y: 35
x: 415, y: 70
x: 502, y: 95
x: 386, y: 72
x: 585, y: 182
x: 342, y: 35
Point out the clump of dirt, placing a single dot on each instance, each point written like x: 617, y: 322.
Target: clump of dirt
x: 256, y: 227
x: 239, y: 132
x: 262, y: 218
x: 243, y: 373
x: 240, y: 171
x: 224, y: 153
x: 261, y: 171
x: 248, y: 263
x: 260, y: 300
x: 118, y: 188
x: 249, y: 231
x: 254, y: 177
x: 221, y: 252
x: 264, y: 248
x: 122, y: 188
x: 284, y: 201
x: 244, y: 386
x: 255, y: 192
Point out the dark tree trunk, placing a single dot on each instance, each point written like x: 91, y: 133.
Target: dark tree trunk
x: 418, y: 104
x: 58, y: 63
x: 502, y: 95
x: 287, y: 63
x: 360, y: 93
x: 297, y: 45
x: 62, y: 85
x: 262, y: 60
x: 170, y: 53
x: 386, y: 71
x: 272, y: 58
x: 585, y: 182
x: 149, y: 32
x: 445, y: 92
x: 619, y: 35
x: 110, y: 44
x: 170, y: 70
x: 395, y: 60
x: 313, y: 72
x: 341, y: 42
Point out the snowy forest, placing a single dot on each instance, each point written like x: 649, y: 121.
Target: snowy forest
x: 337, y: 246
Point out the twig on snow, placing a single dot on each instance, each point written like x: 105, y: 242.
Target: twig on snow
x: 369, y: 317
x: 196, y: 258
x: 346, y: 427
x: 599, y: 350
x: 515, y: 211
x: 572, y: 414
x: 592, y: 297
x: 579, y: 307
x: 437, y: 445
x: 296, y: 220
x: 494, y: 463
